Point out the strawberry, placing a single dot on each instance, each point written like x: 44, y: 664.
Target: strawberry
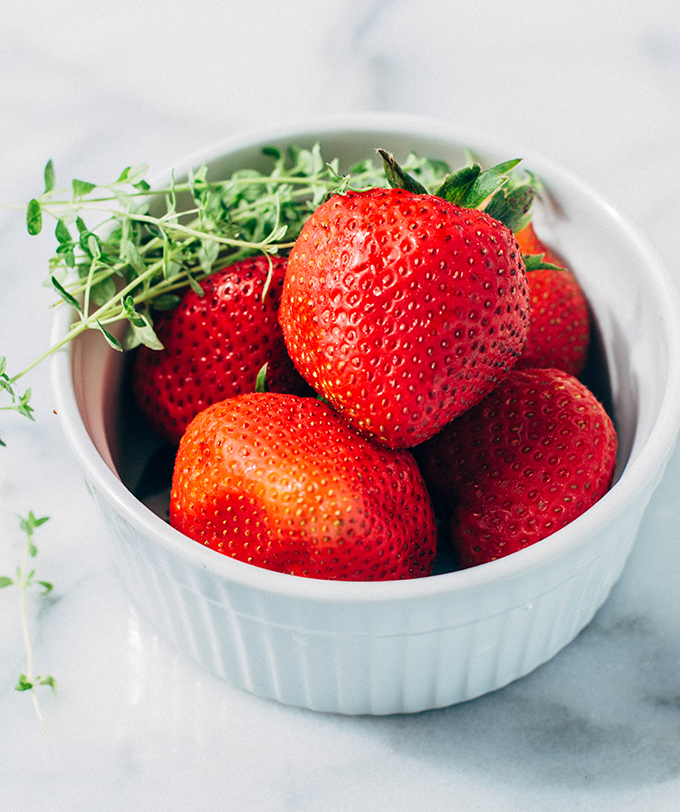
x: 213, y: 347
x: 282, y: 482
x: 403, y: 309
x: 559, y: 331
x: 536, y: 453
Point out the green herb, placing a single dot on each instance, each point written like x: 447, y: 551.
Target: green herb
x: 18, y: 403
x: 25, y: 578
x: 512, y: 202
x: 126, y: 252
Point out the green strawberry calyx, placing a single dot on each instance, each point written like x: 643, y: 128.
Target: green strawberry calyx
x: 397, y: 177
x: 535, y: 262
x: 498, y: 191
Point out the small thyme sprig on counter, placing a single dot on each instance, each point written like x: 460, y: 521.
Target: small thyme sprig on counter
x: 24, y: 579
x: 18, y: 403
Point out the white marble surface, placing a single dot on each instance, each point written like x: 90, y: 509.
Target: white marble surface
x: 97, y: 86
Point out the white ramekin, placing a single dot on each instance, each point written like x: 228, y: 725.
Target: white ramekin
x: 395, y: 647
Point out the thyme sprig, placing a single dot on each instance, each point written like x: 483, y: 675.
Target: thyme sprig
x: 17, y: 402
x: 25, y: 578
x: 126, y: 251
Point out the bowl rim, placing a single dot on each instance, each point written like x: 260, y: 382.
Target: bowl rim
x: 649, y: 462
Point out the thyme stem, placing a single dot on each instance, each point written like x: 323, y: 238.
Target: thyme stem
x: 26, y: 633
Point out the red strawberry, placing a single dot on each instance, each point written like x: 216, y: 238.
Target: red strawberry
x: 282, y: 482
x: 403, y: 309
x: 559, y: 331
x: 213, y: 347
x: 536, y: 453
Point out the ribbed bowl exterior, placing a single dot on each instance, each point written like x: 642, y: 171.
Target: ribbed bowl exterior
x: 372, y: 657
x: 402, y: 647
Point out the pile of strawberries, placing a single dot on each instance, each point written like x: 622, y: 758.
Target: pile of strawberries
x: 413, y: 376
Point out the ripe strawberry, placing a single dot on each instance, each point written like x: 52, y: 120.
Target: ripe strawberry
x: 213, y: 347
x: 559, y: 331
x: 282, y: 482
x: 403, y: 309
x: 536, y: 453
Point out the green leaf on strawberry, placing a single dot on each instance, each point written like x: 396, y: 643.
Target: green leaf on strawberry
x: 456, y: 186
x: 397, y: 178
x: 471, y: 186
x: 512, y: 205
x: 536, y: 262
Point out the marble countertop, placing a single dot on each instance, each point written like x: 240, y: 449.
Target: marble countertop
x: 97, y: 86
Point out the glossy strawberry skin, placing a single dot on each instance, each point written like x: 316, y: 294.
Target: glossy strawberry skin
x: 536, y: 453
x: 214, y: 346
x: 403, y: 310
x: 559, y: 331
x: 283, y: 483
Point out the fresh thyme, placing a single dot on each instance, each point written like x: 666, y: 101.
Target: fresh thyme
x: 25, y: 578
x: 18, y: 403
x: 126, y: 251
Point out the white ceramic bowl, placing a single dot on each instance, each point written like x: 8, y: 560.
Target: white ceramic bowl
x: 392, y: 647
